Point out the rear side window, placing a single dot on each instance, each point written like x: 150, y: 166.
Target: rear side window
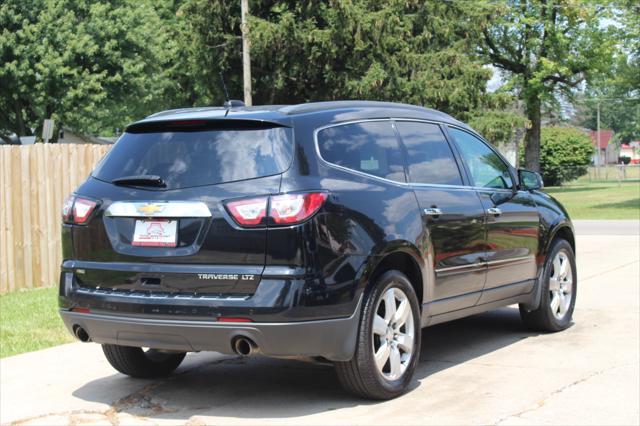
x: 429, y: 156
x: 204, y: 157
x: 369, y: 147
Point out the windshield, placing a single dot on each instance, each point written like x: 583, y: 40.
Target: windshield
x: 193, y: 158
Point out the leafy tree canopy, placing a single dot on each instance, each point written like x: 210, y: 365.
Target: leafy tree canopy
x: 618, y: 91
x: 93, y: 66
x: 547, y: 47
x: 410, y: 51
x: 404, y: 51
x: 97, y: 65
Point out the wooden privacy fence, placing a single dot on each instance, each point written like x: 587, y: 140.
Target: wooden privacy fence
x: 34, y: 181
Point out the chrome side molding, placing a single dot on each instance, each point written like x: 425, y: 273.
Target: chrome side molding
x: 158, y: 209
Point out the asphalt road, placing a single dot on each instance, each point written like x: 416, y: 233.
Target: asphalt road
x: 485, y: 369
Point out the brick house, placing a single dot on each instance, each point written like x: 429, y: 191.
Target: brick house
x: 608, y: 151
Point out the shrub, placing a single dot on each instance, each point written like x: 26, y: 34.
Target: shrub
x: 565, y: 154
x: 624, y: 160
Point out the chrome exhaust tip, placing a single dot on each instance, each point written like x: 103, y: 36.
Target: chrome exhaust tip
x: 244, y: 346
x: 81, y: 334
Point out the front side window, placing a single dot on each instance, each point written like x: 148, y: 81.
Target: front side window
x: 429, y: 156
x: 370, y: 147
x: 486, y: 167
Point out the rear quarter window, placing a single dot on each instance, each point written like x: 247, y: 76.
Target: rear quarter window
x: 204, y: 157
x: 368, y: 147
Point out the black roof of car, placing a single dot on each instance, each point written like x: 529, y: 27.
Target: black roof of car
x: 283, y: 114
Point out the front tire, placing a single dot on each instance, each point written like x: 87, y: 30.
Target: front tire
x: 559, y: 283
x: 136, y: 362
x: 388, y: 345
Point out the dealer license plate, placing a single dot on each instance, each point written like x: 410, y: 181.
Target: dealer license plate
x: 155, y: 233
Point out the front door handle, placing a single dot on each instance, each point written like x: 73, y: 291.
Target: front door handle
x: 433, y: 211
x: 494, y: 211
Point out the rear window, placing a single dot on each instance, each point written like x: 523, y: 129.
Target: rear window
x: 194, y: 158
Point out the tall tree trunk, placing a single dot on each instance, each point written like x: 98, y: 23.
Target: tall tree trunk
x: 21, y: 129
x: 532, y: 137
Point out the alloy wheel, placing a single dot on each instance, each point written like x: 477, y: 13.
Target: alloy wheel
x: 393, y: 334
x: 561, y: 285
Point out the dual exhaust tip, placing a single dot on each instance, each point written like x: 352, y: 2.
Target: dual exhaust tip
x: 241, y: 345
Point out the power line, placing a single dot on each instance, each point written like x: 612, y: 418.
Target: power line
x: 597, y: 100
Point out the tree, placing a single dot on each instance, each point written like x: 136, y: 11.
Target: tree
x: 93, y: 66
x: 565, y: 154
x: 618, y: 92
x: 405, y: 51
x: 547, y: 48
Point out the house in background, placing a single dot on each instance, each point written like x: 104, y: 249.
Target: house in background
x: 631, y: 150
x: 608, y: 151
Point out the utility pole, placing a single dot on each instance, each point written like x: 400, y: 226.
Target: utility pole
x: 246, y: 58
x: 598, y: 140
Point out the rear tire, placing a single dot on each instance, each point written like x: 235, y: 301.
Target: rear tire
x: 559, y: 283
x: 136, y: 362
x: 388, y: 332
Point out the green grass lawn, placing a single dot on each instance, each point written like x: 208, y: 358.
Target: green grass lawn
x: 606, y: 200
x: 29, y: 321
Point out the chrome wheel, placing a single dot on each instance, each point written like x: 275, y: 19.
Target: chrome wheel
x: 561, y: 285
x: 393, y: 334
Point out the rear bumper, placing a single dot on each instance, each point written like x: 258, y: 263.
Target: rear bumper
x: 283, y: 294
x: 333, y: 339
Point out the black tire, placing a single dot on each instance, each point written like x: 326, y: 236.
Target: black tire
x: 543, y: 318
x: 360, y: 376
x: 136, y: 362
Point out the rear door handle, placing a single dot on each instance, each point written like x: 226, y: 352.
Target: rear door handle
x: 433, y: 211
x: 494, y: 211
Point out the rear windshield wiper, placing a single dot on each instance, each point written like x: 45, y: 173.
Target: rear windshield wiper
x: 141, y: 180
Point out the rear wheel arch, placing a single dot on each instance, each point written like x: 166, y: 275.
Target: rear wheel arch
x: 399, y: 260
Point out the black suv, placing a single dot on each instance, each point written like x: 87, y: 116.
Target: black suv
x: 334, y: 230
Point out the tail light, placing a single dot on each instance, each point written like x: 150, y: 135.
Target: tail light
x: 77, y: 210
x: 295, y: 208
x: 286, y: 209
x: 249, y: 212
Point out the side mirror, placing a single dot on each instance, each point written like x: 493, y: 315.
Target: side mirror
x: 529, y: 180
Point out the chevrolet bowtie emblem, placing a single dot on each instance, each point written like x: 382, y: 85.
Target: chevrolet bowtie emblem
x: 150, y: 209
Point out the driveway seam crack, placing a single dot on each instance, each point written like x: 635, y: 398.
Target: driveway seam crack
x: 544, y: 401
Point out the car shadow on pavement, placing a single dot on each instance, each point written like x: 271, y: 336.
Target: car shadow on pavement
x: 208, y: 384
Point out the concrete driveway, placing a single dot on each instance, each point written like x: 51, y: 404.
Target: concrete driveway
x: 486, y: 369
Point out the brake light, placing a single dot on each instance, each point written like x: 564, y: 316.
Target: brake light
x: 285, y: 209
x: 186, y: 123
x: 77, y: 210
x: 249, y: 212
x: 295, y: 208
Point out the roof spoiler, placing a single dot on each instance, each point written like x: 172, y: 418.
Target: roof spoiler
x: 199, y: 124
